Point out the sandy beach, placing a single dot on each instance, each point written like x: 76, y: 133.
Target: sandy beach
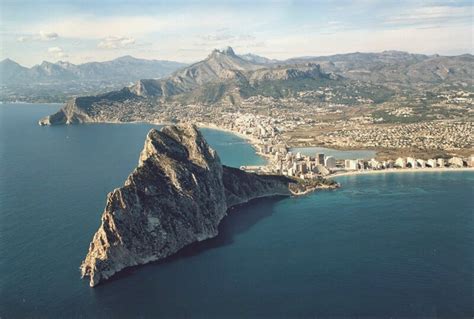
x: 252, y: 139
x: 403, y: 170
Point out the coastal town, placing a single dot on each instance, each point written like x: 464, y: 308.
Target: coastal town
x: 399, y: 128
x: 265, y: 134
x: 293, y: 105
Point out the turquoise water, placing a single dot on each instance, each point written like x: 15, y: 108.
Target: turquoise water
x: 338, y: 154
x: 385, y: 245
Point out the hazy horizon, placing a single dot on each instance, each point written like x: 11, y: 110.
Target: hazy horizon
x: 238, y: 53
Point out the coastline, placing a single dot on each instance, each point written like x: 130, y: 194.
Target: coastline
x: 253, y: 141
x: 403, y: 170
x: 313, y: 189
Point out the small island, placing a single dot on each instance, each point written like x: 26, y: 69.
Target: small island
x: 178, y: 194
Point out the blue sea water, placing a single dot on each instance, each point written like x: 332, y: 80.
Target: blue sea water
x: 387, y: 245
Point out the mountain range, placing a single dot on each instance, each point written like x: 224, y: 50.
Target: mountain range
x: 397, y: 67
x: 123, y: 69
x: 54, y: 82
x: 223, y: 71
x: 225, y: 78
x: 223, y: 74
x: 387, y: 66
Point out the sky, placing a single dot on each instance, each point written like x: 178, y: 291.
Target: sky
x: 85, y: 30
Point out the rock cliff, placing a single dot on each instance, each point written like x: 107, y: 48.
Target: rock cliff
x: 177, y: 195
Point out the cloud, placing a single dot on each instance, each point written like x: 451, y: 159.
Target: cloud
x: 47, y: 36
x: 217, y: 38
x: 94, y: 27
x: 430, y: 15
x: 281, y: 30
x: 223, y: 37
x: 116, y: 42
x: 41, y: 36
x: 57, y: 52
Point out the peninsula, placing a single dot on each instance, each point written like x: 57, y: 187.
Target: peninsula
x: 177, y: 195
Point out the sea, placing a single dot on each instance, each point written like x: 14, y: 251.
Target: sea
x: 383, y: 246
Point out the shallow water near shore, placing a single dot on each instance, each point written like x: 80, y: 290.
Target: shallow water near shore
x: 385, y: 245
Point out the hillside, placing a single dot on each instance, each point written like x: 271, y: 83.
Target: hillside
x: 225, y: 79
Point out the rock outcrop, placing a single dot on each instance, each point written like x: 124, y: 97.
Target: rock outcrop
x: 177, y: 195
x: 85, y: 109
x: 71, y: 113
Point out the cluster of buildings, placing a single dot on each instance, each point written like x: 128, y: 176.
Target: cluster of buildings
x: 264, y: 131
x: 299, y: 165
x: 307, y: 167
x: 270, y: 125
x: 447, y: 135
x: 338, y: 117
x: 458, y: 97
x: 409, y: 162
x: 266, y: 135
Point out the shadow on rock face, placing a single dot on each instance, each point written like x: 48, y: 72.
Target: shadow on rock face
x: 239, y: 220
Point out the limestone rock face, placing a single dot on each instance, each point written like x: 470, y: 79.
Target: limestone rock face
x: 177, y: 195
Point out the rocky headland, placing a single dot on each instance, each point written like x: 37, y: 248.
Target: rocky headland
x: 177, y: 195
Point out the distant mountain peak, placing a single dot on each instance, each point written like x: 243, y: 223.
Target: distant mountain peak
x: 46, y: 63
x: 394, y: 52
x: 65, y: 64
x: 103, y: 74
x: 257, y: 58
x: 9, y: 68
x: 126, y: 58
x: 8, y: 60
x: 229, y: 51
x: 226, y: 51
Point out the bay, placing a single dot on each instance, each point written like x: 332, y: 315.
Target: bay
x: 385, y: 245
